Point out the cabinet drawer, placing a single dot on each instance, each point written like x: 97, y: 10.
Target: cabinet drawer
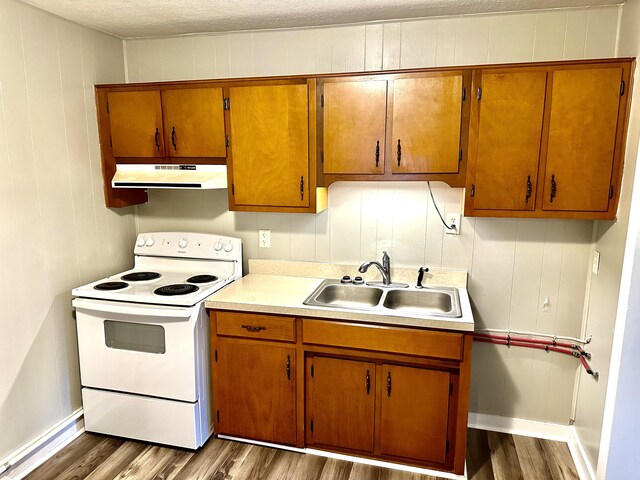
x: 424, y: 343
x: 256, y: 325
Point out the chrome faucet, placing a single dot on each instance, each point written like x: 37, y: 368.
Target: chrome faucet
x: 385, y: 268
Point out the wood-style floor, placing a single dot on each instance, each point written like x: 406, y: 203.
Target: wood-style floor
x: 490, y: 456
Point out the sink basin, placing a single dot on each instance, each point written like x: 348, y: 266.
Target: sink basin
x: 426, y: 302
x: 443, y: 301
x: 345, y: 296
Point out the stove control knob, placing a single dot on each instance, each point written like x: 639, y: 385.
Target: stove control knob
x: 228, y: 247
x: 141, y: 241
x: 149, y: 242
x: 218, y: 246
x: 183, y: 243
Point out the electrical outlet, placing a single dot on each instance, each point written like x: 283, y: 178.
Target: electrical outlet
x: 453, y: 220
x: 595, y: 267
x: 265, y: 238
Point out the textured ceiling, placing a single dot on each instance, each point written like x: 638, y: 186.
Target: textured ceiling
x: 144, y: 18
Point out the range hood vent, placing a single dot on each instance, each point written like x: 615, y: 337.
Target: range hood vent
x: 170, y: 176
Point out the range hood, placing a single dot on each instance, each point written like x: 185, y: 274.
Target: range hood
x: 170, y: 176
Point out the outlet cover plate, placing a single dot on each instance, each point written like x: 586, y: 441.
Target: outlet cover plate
x: 452, y: 219
x: 264, y: 237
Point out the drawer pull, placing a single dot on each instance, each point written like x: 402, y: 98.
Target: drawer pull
x: 367, y: 382
x: 253, y: 328
x: 389, y: 383
x: 157, y: 138
x: 288, y: 367
x: 377, y: 153
x: 554, y: 188
x: 529, y: 189
x: 173, y: 139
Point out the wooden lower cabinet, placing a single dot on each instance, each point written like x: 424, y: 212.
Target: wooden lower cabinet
x: 256, y: 391
x: 317, y: 383
x: 340, y: 403
x: 414, y: 413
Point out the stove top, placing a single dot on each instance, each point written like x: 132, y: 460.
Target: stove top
x: 172, y: 269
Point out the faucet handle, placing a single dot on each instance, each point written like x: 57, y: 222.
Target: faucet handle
x: 421, y: 272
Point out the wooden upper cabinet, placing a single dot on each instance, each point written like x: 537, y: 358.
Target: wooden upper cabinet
x: 340, y: 403
x: 583, y: 128
x: 414, y: 413
x: 354, y: 121
x: 269, y: 143
x: 256, y: 390
x: 503, y: 173
x: 194, y: 122
x: 427, y: 116
x: 135, y: 119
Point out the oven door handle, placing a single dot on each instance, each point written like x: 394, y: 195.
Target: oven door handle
x: 137, y: 310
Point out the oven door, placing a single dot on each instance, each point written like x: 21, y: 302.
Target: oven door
x: 137, y: 348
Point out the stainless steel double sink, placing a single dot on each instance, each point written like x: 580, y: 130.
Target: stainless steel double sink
x: 423, y: 302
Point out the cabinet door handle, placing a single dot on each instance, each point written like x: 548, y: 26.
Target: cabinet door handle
x: 377, y: 153
x: 288, y: 367
x: 253, y: 328
x: 157, y: 140
x: 389, y: 383
x: 301, y: 188
x: 529, y: 189
x: 554, y: 188
x: 173, y: 138
x: 399, y: 152
x: 367, y: 382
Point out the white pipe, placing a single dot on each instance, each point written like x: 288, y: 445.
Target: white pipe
x: 534, y: 334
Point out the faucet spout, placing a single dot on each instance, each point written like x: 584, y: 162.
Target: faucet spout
x: 384, y: 268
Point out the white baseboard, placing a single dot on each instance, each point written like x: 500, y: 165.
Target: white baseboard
x: 33, y: 454
x: 531, y: 428
x: 583, y: 465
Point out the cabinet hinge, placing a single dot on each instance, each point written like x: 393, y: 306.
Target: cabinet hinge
x: 233, y: 189
x: 312, y: 372
x: 216, y: 355
x: 610, y: 191
x: 479, y: 93
x: 621, y: 88
x: 460, y: 155
x: 447, y: 448
x: 311, y: 426
x: 226, y: 141
x: 321, y: 157
x: 322, y: 101
x: 473, y: 190
x: 451, y: 389
x: 226, y: 104
x: 108, y: 106
x: 111, y: 143
x: 218, y: 414
x: 464, y: 93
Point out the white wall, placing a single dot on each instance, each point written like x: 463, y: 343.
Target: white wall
x: 617, y: 426
x: 514, y: 265
x: 56, y: 232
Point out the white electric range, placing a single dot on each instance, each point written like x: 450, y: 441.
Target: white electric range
x: 143, y: 339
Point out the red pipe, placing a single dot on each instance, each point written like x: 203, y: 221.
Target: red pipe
x: 546, y: 345
x: 553, y: 343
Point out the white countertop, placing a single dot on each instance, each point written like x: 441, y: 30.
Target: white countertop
x: 285, y: 294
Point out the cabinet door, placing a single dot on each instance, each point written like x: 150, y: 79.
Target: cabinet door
x: 582, y: 137
x: 427, y: 115
x: 414, y: 413
x: 504, y: 173
x: 256, y: 391
x: 194, y: 122
x: 340, y: 404
x: 136, y: 124
x: 270, y: 145
x: 354, y: 118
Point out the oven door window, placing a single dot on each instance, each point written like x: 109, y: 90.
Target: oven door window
x: 138, y: 337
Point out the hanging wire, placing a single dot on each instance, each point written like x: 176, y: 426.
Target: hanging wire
x: 438, y: 210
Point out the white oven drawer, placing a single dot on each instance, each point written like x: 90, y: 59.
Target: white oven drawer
x: 143, y: 418
x: 144, y: 349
